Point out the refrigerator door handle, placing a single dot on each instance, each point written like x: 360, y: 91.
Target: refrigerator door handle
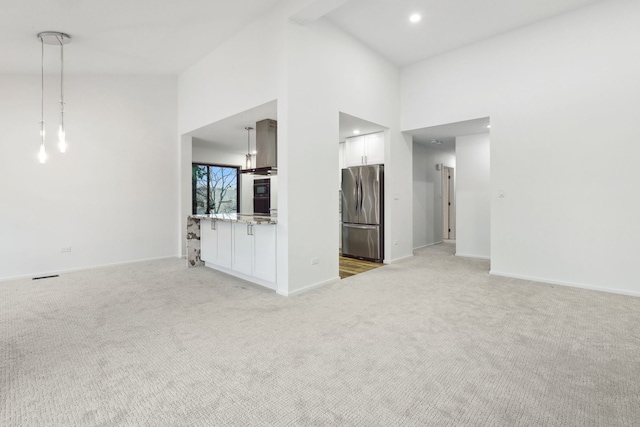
x: 357, y: 196
x: 360, y: 194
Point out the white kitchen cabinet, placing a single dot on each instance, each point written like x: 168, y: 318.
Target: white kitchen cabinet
x: 254, y: 250
x: 354, y: 151
x: 215, y: 242
x: 237, y: 248
x: 242, y: 248
x: 365, y: 150
x: 374, y: 148
x: 264, y: 250
x: 208, y: 242
x: 225, y: 239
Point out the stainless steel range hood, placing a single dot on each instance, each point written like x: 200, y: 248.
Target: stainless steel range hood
x: 266, y: 148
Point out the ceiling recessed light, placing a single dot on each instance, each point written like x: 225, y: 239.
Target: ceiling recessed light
x: 488, y: 126
x: 436, y: 141
x: 415, y: 18
x: 356, y: 132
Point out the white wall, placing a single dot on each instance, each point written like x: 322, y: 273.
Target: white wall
x: 204, y: 152
x: 473, y: 196
x: 427, y: 194
x: 111, y: 197
x: 246, y: 71
x: 329, y: 72
x: 274, y: 59
x: 560, y: 93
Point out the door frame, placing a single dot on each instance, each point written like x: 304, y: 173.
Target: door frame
x: 448, y: 203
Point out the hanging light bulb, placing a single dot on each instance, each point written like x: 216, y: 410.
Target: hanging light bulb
x: 62, y: 139
x: 42, y: 155
x: 248, y: 157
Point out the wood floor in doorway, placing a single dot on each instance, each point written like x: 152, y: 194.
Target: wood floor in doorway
x: 351, y: 266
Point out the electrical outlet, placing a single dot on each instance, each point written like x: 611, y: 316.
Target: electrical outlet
x: 314, y: 261
x: 65, y: 249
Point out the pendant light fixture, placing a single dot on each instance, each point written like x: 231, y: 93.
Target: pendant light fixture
x: 42, y: 155
x: 59, y: 39
x: 248, y: 161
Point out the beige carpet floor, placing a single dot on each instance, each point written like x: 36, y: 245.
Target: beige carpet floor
x: 431, y: 341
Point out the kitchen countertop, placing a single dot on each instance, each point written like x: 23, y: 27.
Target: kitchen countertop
x: 245, y: 218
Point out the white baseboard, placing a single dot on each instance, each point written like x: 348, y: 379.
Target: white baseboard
x: 563, y: 283
x: 463, y: 255
x: 393, y: 261
x: 307, y: 288
x: 256, y: 280
x: 92, y: 267
x: 428, y: 244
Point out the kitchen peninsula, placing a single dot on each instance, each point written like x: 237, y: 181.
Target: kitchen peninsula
x: 242, y: 245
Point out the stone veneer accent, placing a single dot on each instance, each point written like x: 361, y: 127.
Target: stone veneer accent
x: 193, y: 242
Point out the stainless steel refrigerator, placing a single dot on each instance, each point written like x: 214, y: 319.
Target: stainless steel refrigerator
x: 363, y: 212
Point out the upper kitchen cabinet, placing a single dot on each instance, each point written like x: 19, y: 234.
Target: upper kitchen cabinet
x: 365, y: 150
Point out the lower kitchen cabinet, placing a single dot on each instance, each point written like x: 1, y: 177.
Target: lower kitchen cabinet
x: 247, y: 249
x: 264, y: 252
x: 215, y: 242
x: 225, y: 241
x: 208, y: 242
x: 242, y: 248
x: 254, y: 250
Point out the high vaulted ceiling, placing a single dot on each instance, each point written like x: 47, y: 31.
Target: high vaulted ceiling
x: 122, y: 36
x: 167, y: 36
x: 445, y: 25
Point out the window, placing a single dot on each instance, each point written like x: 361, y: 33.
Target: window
x: 214, y: 188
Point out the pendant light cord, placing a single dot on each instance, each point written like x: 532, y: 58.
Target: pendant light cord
x: 60, y: 40
x: 248, y: 129
x: 42, y: 88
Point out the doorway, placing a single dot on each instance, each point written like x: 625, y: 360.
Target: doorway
x: 448, y: 203
x: 361, y: 148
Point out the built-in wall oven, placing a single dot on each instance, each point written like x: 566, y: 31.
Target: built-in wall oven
x: 261, y: 196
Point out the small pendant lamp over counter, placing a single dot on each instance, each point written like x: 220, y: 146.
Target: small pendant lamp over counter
x: 248, y: 157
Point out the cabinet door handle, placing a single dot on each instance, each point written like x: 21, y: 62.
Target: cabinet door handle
x: 214, y: 226
x: 365, y: 160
